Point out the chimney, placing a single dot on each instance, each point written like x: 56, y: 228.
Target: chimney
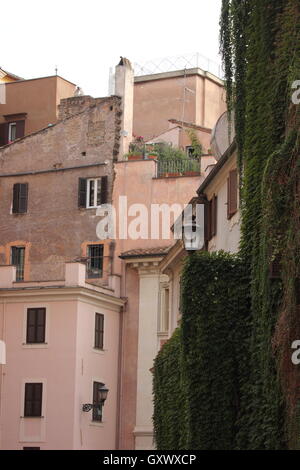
x: 124, y: 83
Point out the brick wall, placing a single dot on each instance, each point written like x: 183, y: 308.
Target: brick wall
x: 54, y: 229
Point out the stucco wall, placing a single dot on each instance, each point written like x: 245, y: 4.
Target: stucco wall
x: 38, y: 98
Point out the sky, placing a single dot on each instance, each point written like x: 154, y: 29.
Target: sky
x: 83, y: 39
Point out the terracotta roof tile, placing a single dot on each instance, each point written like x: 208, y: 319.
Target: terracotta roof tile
x: 157, y: 251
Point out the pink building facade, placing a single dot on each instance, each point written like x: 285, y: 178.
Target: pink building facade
x: 66, y: 363
x: 74, y: 326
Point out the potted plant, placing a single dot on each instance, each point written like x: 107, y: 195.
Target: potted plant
x: 133, y: 155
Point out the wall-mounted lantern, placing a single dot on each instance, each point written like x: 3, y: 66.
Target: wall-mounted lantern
x: 103, y: 391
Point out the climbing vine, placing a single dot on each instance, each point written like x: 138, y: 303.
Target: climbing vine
x: 199, y: 374
x: 226, y: 379
x: 260, y: 43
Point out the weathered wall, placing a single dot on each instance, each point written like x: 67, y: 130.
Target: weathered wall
x: 54, y: 227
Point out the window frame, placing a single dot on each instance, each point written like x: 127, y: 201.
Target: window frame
x: 89, y: 268
x: 10, y: 125
x: 99, y: 332
x: 20, y: 198
x: 36, y: 325
x: 36, y: 399
x: 97, y: 192
x: 20, y: 269
x: 97, y: 418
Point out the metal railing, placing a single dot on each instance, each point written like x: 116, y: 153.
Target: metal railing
x: 180, y: 62
x: 183, y: 167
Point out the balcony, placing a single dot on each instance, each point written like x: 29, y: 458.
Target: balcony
x: 175, y: 168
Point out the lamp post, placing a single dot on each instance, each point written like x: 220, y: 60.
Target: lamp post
x: 192, y: 236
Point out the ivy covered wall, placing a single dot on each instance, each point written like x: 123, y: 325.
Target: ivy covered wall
x: 225, y: 343
x: 261, y: 51
x: 200, y: 373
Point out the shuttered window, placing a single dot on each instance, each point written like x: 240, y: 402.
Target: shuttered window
x: 232, y: 193
x: 97, y: 410
x: 4, y: 134
x: 95, y: 261
x: 210, y: 218
x: 99, y: 331
x: 10, y: 131
x: 20, y: 198
x: 33, y: 399
x: 92, y: 192
x: 18, y: 260
x: 36, y: 325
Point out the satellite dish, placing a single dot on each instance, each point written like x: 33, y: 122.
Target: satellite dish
x: 222, y: 137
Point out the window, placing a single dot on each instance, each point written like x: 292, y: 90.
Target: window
x: 36, y: 325
x: 99, y: 331
x: 20, y: 198
x: 12, y: 131
x: 97, y: 410
x: 92, y: 192
x: 18, y: 260
x: 95, y: 261
x: 211, y: 213
x: 232, y: 193
x: 33, y: 399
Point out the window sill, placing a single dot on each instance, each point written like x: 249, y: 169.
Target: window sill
x: 99, y: 351
x: 32, y: 417
x: 35, y: 345
x: 97, y: 424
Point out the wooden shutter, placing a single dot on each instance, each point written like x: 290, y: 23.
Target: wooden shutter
x: 20, y: 198
x: 23, y: 198
x: 30, y: 336
x: 3, y: 134
x: 20, y: 129
x: 82, y: 190
x: 214, y: 208
x: 14, y: 255
x: 232, y: 193
x: 104, y: 185
x: 207, y: 221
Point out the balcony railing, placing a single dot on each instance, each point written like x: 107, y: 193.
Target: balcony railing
x: 183, y: 167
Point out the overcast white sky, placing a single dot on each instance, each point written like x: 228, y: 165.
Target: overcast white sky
x: 85, y: 38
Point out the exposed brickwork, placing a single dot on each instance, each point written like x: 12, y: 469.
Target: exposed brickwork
x: 54, y: 227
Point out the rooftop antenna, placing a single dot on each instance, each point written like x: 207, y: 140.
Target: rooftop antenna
x: 185, y: 98
x: 56, y: 69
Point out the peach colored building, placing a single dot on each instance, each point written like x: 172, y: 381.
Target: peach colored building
x: 182, y: 97
x: 30, y: 105
x: 138, y: 266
